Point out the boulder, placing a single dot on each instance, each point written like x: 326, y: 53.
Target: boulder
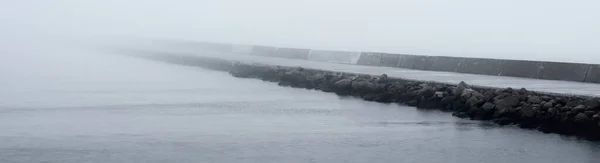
x: 507, y: 102
x: 382, y: 78
x: 440, y: 94
x: 468, y: 93
x: 581, y: 118
x: 593, y: 103
x: 527, y: 112
x: 475, y: 100
x: 488, y: 106
x: 426, y: 91
x: 573, y: 103
x: 579, y: 109
x: 548, y: 104
x: 448, y: 100
x: 460, y: 88
x: 343, y: 84
x: 460, y: 114
x: 553, y: 111
x: 534, y: 100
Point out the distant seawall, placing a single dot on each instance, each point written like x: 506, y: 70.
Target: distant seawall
x: 546, y: 112
x: 577, y: 72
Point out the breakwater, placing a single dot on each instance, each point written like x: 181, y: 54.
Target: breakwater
x: 578, y: 72
x: 550, y: 113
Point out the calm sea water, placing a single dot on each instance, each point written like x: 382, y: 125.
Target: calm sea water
x: 74, y: 107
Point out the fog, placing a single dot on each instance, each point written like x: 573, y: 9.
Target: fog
x: 554, y: 30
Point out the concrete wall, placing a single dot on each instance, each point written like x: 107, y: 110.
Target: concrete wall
x: 497, y: 67
x: 264, y: 51
x: 389, y: 60
x: 333, y: 56
x: 449, y: 64
x: 242, y: 49
x: 564, y: 71
x: 369, y: 59
x: 524, y: 69
x: 480, y: 66
x: 593, y: 74
x: 292, y: 53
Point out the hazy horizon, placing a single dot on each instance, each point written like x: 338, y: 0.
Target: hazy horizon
x: 535, y: 30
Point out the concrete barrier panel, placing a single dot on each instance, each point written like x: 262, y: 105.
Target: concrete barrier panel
x: 524, y: 69
x: 480, y: 66
x: 564, y: 71
x: 390, y: 60
x: 241, y: 49
x: 415, y: 62
x: 593, y: 74
x: 447, y: 64
x: 264, y: 51
x: 369, y: 59
x: 292, y: 53
x: 333, y: 56
x: 215, y: 47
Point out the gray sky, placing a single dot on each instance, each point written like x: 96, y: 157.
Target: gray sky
x: 556, y: 30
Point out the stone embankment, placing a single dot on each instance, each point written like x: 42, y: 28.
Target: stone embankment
x: 550, y: 113
x: 546, y: 112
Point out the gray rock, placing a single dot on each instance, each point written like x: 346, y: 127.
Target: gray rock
x: 593, y: 103
x: 383, y: 78
x: 573, y: 103
x: 440, y: 94
x: 534, y: 99
x: 448, y: 100
x: 553, y: 111
x: 426, y: 91
x: 581, y: 118
x: 523, y: 91
x: 527, y: 112
x: 548, y: 104
x: 507, y: 102
x: 343, y: 84
x: 468, y: 93
x: 579, y: 108
x: 460, y: 88
x: 589, y: 113
x: 475, y: 100
x: 488, y: 106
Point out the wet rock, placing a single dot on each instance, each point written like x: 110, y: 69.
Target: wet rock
x: 448, y: 100
x: 527, y: 112
x: 579, y: 109
x: 343, y: 84
x: 488, y: 106
x: 589, y: 113
x: 440, y: 94
x: 523, y: 91
x: 461, y: 114
x: 553, y: 111
x: 507, y: 102
x: 548, y: 104
x: 593, y: 103
x: 503, y: 121
x: 426, y: 91
x: 475, y: 101
x: 581, y: 118
x: 534, y: 100
x: 573, y: 103
x: 468, y: 93
x: 460, y: 88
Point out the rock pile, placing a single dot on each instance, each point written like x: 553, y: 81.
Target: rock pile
x: 550, y: 113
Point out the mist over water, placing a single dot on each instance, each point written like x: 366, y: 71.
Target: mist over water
x: 536, y: 29
x: 61, y: 101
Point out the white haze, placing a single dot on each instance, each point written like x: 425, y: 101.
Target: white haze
x: 555, y: 30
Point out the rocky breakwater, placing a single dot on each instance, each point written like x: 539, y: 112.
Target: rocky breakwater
x: 550, y: 113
